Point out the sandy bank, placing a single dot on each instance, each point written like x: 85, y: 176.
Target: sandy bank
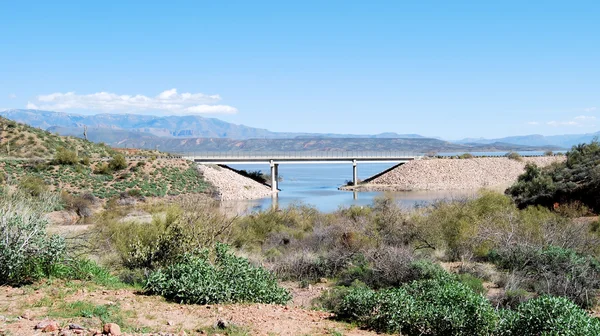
x: 233, y: 186
x: 453, y: 174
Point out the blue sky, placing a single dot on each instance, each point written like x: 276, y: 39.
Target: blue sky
x: 452, y: 69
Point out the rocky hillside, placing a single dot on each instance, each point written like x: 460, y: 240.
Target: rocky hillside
x: 22, y: 141
x: 38, y: 161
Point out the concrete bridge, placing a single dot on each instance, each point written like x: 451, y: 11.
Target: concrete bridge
x: 274, y: 159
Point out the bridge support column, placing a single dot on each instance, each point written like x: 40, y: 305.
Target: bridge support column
x: 354, y: 173
x: 274, y: 171
x: 276, y: 176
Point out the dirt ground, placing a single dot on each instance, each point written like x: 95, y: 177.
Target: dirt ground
x: 22, y: 308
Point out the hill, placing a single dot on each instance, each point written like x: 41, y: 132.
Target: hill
x: 23, y: 141
x: 38, y: 160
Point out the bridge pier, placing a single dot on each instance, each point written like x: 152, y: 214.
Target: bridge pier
x: 354, y: 173
x: 274, y: 175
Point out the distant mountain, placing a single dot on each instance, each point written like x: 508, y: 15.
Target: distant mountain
x: 122, y: 138
x: 171, y: 126
x: 564, y: 141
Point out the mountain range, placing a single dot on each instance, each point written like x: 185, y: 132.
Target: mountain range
x: 564, y: 141
x: 169, y: 126
x: 196, y: 133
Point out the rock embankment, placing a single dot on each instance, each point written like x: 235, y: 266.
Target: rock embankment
x: 453, y: 174
x: 233, y: 186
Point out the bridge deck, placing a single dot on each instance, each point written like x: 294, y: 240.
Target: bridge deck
x: 299, y: 157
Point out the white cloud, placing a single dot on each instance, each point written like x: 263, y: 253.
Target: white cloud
x: 32, y: 106
x: 12, y: 96
x: 212, y: 109
x: 583, y: 117
x: 589, y: 109
x: 562, y: 123
x: 169, y: 101
x: 533, y: 123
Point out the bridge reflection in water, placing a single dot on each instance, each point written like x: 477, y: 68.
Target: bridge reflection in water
x: 274, y: 159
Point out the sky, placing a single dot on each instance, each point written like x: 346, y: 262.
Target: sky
x: 451, y: 69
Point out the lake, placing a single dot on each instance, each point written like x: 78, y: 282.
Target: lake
x: 317, y: 185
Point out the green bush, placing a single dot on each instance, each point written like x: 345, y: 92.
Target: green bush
x: 195, y: 279
x: 26, y: 251
x: 548, y: 315
x: 33, y: 185
x: 103, y: 169
x: 425, y: 307
x: 466, y: 156
x: 118, y: 162
x: 576, y: 179
x: 64, y: 156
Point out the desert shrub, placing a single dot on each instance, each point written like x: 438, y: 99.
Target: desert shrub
x: 548, y: 315
x: 85, y: 161
x: 390, y: 267
x: 576, y: 179
x: 572, y: 209
x: 554, y: 270
x: 181, y: 229
x: 465, y: 229
x: 26, y: 251
x: 514, y: 156
x: 134, y: 192
x: 512, y: 298
x: 426, y: 307
x: 79, y: 203
x: 103, y: 169
x: 253, y: 231
x: 548, y: 153
x: 466, y: 156
x: 195, y: 279
x: 64, y: 156
x: 382, y: 267
x: 118, y: 162
x: 306, y: 266
x: 33, y: 185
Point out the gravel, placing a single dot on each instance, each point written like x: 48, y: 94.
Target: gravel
x: 454, y: 174
x: 233, y: 186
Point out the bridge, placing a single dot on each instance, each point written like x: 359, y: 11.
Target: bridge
x: 274, y: 159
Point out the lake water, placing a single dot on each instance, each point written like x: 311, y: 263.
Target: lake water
x: 317, y: 185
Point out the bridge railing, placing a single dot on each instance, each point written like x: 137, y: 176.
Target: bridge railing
x: 300, y: 154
